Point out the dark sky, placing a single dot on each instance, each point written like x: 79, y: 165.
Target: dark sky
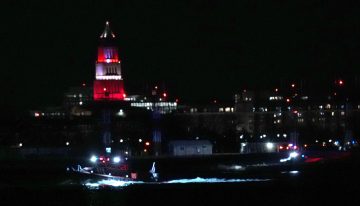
x: 200, y: 49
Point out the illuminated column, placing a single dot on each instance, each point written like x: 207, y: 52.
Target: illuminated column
x: 108, y: 84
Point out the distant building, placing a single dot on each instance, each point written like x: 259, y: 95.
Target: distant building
x: 78, y: 96
x: 260, y: 147
x: 190, y: 147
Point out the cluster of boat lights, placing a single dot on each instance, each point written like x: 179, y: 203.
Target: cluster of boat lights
x: 115, y: 159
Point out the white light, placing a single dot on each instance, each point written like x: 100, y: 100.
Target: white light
x: 126, y: 152
x: 269, y: 145
x: 108, y: 77
x: 330, y: 140
x: 93, y: 158
x: 80, y: 103
x: 120, y: 113
x: 108, y: 150
x: 241, y: 136
x: 140, y: 140
x: 121, y: 140
x: 284, y: 135
x: 107, y: 60
x: 116, y: 159
x: 293, y: 154
x: 67, y: 143
x: 20, y: 144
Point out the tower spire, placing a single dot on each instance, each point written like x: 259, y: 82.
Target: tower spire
x: 107, y: 33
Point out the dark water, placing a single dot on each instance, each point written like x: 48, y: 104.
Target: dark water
x: 321, y: 183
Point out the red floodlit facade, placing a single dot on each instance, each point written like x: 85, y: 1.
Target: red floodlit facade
x: 108, y: 84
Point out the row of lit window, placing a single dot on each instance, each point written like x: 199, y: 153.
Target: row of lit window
x: 150, y: 104
x: 38, y: 114
x: 275, y: 98
x: 226, y: 109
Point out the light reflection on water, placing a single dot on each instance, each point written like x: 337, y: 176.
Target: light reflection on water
x: 122, y: 183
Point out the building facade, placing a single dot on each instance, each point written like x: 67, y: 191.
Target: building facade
x: 108, y: 84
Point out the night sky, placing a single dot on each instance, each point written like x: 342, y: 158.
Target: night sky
x: 200, y: 50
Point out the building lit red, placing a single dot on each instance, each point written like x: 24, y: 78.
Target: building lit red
x: 108, y: 84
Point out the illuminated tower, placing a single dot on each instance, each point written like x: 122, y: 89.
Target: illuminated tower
x: 108, y: 84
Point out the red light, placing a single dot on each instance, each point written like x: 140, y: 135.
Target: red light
x: 341, y: 82
x: 176, y: 100
x: 108, y: 159
x: 287, y: 147
x: 83, y: 84
x: 164, y: 94
x: 276, y: 90
x: 147, y: 143
x: 101, y: 158
x: 295, y: 147
x: 124, y: 95
x: 293, y: 85
x: 37, y: 114
x: 281, y: 147
x: 104, y: 89
x: 287, y: 100
x: 295, y: 111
